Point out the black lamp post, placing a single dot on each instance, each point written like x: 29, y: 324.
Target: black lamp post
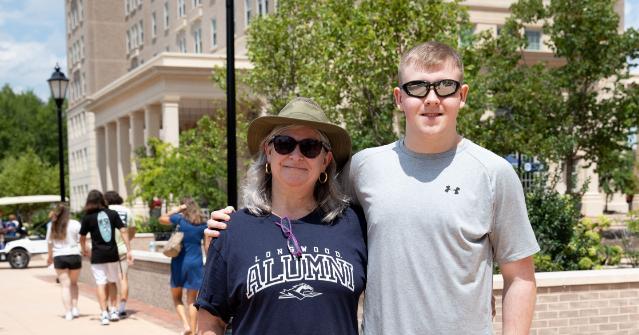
x: 58, y: 84
x: 231, y: 162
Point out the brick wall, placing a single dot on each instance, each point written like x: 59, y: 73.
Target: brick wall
x: 583, y: 302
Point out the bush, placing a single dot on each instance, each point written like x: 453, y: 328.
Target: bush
x: 631, y: 231
x: 552, y: 216
x: 152, y: 226
x: 566, y: 241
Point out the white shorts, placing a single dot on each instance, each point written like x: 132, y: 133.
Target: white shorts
x: 106, y: 272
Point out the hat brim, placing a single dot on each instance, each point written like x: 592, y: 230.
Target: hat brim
x: 340, y: 140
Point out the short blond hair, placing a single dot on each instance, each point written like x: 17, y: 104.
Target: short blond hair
x: 429, y: 55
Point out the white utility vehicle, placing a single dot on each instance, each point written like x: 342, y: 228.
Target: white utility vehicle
x: 19, y: 251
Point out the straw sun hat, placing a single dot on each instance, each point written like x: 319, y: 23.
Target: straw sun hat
x: 302, y: 112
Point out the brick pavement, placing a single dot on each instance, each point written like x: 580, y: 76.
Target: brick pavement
x: 30, y: 303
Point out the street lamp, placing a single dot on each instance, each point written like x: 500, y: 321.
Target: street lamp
x: 58, y: 84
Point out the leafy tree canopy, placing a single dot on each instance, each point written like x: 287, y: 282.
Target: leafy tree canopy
x: 27, y: 122
x: 344, y: 55
x: 580, y: 109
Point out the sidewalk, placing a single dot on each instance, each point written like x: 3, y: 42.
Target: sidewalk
x: 30, y: 303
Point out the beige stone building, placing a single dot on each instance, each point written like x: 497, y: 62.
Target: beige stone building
x: 141, y: 69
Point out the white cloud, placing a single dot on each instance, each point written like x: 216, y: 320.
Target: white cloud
x: 27, y: 66
x: 32, y: 41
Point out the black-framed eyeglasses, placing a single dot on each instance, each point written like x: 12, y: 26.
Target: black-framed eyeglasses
x: 421, y: 88
x: 309, y: 147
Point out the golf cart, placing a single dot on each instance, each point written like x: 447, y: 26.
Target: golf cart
x: 19, y: 250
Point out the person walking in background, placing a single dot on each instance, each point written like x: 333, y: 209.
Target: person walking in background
x: 101, y: 223
x: 114, y: 201
x: 187, y: 267
x: 63, y: 238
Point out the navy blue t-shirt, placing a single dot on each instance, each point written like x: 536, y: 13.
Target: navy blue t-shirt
x: 250, y: 275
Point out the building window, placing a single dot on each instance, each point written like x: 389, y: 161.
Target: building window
x: 262, y: 7
x: 181, y: 7
x: 128, y: 41
x: 213, y: 33
x: 197, y: 37
x: 181, y: 43
x: 141, y: 32
x: 196, y: 3
x: 166, y: 15
x: 247, y: 12
x: 82, y: 48
x: 154, y: 26
x: 533, y: 38
x: 126, y: 7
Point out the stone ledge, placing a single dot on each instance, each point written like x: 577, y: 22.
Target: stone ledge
x: 150, y: 256
x: 572, y: 278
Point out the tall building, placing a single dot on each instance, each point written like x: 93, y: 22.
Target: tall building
x: 141, y: 69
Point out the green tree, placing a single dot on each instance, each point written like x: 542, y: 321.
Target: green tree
x: 27, y: 122
x: 344, y: 55
x: 579, y: 110
x: 27, y: 174
x: 620, y: 176
x: 197, y: 168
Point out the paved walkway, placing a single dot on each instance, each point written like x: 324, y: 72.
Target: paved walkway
x: 30, y: 303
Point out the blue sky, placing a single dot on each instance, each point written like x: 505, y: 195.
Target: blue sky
x: 32, y: 41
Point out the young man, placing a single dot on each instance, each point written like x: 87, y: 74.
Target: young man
x: 439, y: 210
x: 101, y: 223
x: 115, y: 201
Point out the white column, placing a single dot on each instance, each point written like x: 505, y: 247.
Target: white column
x: 151, y: 122
x: 124, y: 156
x: 137, y: 136
x: 100, y: 151
x: 593, y: 202
x: 111, y: 157
x: 171, y: 123
x: 137, y: 130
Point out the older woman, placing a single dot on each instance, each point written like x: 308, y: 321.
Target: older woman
x: 294, y: 260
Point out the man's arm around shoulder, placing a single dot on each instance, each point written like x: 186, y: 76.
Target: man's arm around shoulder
x: 518, y: 301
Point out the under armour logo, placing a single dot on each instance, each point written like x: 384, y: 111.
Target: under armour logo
x: 448, y: 189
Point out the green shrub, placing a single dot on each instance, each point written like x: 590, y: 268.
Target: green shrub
x: 151, y: 226
x: 553, y: 217
x: 566, y: 241
x: 632, y: 229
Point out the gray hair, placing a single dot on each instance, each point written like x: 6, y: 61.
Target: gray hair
x: 258, y: 185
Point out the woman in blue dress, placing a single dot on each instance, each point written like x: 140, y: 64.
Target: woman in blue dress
x: 186, y: 267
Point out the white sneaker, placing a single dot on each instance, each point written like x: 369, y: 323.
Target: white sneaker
x: 75, y: 312
x: 68, y: 316
x: 104, y: 318
x: 115, y: 315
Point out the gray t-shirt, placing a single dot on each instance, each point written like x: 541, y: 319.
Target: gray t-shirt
x: 435, y: 224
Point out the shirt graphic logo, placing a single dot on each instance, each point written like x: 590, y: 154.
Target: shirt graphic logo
x: 448, y: 189
x: 299, y: 292
x: 105, y: 226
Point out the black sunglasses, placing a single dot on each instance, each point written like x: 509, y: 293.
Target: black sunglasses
x: 309, y: 147
x: 421, y: 88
